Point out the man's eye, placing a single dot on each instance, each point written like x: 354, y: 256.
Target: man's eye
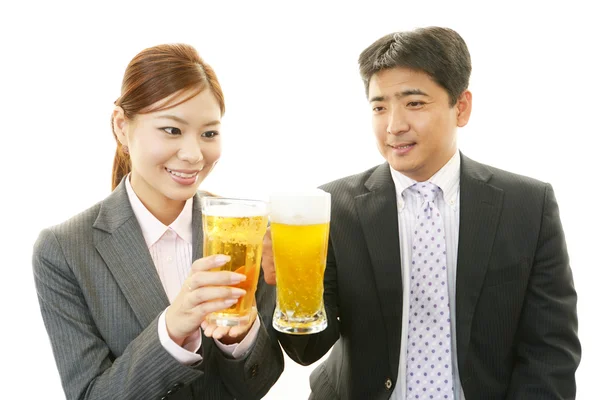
x: 172, y: 130
x: 415, y: 103
x: 377, y: 109
x: 210, y: 134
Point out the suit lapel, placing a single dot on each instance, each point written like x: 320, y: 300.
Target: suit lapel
x: 126, y: 254
x: 128, y: 259
x: 378, y: 214
x: 480, y: 206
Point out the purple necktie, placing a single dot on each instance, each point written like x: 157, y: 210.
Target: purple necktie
x: 429, y: 357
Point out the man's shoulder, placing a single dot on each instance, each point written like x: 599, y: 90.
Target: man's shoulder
x: 500, y: 178
x: 518, y: 191
x: 351, y: 184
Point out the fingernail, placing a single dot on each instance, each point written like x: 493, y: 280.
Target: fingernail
x: 237, y: 292
x: 221, y: 259
x: 237, y: 278
x: 231, y: 302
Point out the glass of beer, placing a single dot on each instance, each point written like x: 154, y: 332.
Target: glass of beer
x: 236, y: 228
x: 300, y: 236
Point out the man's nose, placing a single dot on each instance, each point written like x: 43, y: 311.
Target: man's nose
x: 397, y: 122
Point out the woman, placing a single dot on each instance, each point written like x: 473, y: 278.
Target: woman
x: 122, y: 301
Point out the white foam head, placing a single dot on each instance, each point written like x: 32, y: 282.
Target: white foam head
x: 233, y: 208
x: 306, y: 207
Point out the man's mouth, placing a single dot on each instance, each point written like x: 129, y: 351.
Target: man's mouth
x: 403, y: 146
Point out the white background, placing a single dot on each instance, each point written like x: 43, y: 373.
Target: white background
x: 296, y: 114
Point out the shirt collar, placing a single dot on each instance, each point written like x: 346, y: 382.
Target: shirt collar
x: 447, y: 179
x: 152, y: 228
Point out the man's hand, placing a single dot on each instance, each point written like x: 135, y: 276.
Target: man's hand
x: 268, y: 264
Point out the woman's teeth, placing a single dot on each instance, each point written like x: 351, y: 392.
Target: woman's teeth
x: 181, y: 174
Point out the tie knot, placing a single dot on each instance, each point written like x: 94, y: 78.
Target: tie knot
x: 425, y: 190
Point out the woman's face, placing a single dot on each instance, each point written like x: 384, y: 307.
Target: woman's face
x: 172, y: 150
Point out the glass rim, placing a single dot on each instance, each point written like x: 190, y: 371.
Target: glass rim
x: 234, y: 207
x: 232, y: 199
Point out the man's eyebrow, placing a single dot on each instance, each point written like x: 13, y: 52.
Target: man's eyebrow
x: 410, y: 92
x: 400, y: 95
x: 376, y: 98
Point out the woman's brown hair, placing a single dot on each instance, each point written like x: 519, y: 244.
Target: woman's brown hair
x: 154, y: 74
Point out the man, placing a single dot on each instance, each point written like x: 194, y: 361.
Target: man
x: 445, y: 278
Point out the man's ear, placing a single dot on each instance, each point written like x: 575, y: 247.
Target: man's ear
x: 463, y: 108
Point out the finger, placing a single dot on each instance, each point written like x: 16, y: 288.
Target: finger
x: 209, y: 329
x: 212, y: 293
x: 220, y: 332
x: 236, y: 331
x: 210, y: 262
x: 268, y: 263
x: 200, y: 311
x: 267, y: 238
x: 209, y: 278
x: 215, y: 331
x: 268, y: 267
x: 268, y: 244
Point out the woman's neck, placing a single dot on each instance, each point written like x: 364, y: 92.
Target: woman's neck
x: 166, y: 210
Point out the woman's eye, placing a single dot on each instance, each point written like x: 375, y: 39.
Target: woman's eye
x: 210, y: 134
x: 172, y: 130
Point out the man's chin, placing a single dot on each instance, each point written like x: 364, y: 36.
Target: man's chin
x: 401, y: 166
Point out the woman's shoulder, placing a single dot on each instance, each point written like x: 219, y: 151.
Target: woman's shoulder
x: 59, y: 240
x: 114, y: 207
x: 78, y: 224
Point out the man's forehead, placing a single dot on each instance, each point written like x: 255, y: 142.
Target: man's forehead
x: 399, y: 82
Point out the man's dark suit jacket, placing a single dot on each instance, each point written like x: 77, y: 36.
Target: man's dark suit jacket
x: 101, y: 297
x: 516, y: 322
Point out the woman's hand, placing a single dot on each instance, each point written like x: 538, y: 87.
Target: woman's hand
x: 230, y: 334
x: 202, y: 293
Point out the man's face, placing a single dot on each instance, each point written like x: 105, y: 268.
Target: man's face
x: 413, y: 122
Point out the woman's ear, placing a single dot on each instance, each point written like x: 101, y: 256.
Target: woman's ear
x: 120, y: 125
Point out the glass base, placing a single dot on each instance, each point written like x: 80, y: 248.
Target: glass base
x: 225, y: 319
x: 299, y: 326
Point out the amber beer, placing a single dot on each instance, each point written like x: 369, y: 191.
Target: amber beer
x: 236, y: 228
x: 300, y: 233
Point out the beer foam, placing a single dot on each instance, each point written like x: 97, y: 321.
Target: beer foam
x: 306, y: 207
x: 234, y: 210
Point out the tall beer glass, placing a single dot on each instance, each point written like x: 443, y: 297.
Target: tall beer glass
x: 236, y: 228
x: 300, y: 235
